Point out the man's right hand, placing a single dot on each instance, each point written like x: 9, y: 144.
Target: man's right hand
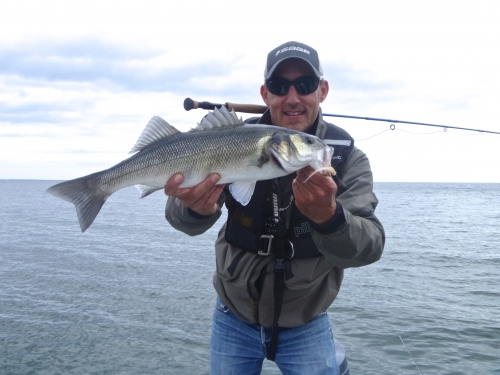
x: 201, y: 198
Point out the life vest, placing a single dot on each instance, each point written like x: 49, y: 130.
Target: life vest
x: 246, y: 225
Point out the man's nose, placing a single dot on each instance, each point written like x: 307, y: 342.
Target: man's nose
x: 292, y: 96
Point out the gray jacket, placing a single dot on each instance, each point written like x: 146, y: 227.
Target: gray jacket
x: 316, y: 281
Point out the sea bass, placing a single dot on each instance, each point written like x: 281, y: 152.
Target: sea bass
x: 240, y: 153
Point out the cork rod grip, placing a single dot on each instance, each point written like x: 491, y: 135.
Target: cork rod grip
x: 247, y: 108
x: 190, y: 104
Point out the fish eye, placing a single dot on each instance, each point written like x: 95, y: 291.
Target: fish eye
x: 309, y: 141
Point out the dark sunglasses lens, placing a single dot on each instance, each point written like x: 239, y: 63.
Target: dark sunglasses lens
x: 278, y: 86
x: 304, y: 86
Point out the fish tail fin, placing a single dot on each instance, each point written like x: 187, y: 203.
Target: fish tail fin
x: 85, y: 194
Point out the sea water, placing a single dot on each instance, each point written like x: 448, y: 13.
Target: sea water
x: 132, y: 295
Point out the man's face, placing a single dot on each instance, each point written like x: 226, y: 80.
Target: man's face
x: 292, y: 110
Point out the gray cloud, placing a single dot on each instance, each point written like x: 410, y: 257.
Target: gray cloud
x: 120, y: 68
x: 92, y: 61
x: 97, y: 62
x: 92, y: 66
x: 37, y: 112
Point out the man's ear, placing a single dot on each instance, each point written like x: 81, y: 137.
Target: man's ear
x: 264, y: 92
x: 324, y: 88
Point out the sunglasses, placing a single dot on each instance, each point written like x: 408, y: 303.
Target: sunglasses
x: 303, y: 85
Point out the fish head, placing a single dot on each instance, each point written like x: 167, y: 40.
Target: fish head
x: 294, y: 151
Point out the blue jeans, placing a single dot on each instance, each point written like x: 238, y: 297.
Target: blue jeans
x: 239, y: 348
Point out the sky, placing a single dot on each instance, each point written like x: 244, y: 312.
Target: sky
x: 79, y: 80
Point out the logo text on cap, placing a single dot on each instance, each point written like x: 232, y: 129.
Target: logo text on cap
x: 292, y: 48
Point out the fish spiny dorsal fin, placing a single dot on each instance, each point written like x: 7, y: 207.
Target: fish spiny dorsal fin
x: 156, y: 129
x: 219, y: 118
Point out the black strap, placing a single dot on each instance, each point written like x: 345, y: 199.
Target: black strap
x: 280, y: 247
x: 279, y: 290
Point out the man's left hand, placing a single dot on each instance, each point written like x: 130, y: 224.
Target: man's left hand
x: 315, y: 198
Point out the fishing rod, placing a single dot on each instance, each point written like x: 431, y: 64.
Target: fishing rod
x: 190, y: 104
x: 410, y: 355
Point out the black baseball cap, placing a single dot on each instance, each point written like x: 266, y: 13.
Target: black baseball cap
x: 293, y: 50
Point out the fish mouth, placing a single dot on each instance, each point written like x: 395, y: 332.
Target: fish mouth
x: 323, y: 158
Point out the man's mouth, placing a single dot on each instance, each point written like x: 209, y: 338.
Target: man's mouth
x: 295, y: 113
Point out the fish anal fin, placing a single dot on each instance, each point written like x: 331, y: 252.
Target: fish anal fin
x: 146, y: 190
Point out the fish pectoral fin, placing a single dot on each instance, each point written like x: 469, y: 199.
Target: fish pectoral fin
x: 242, y: 191
x: 146, y: 190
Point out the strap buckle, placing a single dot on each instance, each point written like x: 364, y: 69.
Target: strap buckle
x: 279, y: 266
x: 265, y: 244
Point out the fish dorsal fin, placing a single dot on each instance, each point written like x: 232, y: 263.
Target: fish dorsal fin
x: 219, y: 118
x: 156, y: 129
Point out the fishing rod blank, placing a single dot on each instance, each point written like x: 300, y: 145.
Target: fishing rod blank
x: 409, y: 122
x: 190, y: 104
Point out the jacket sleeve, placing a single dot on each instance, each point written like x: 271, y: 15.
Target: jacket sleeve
x: 360, y: 241
x: 188, y: 221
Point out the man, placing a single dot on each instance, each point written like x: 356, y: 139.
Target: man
x: 275, y: 279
